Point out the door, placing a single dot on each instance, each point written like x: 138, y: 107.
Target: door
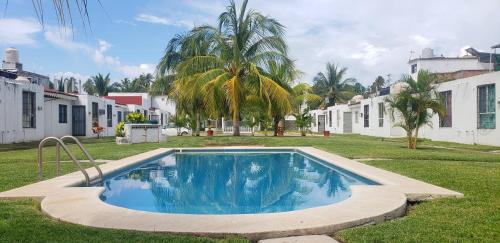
x: 78, y: 120
x: 347, y: 122
x: 321, y: 123
x: 366, y: 116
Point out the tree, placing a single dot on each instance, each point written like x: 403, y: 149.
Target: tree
x: 378, y: 84
x: 303, y: 121
x: 89, y: 87
x: 333, y: 85
x: 101, y: 84
x: 415, y: 105
x: 302, y: 95
x: 162, y: 85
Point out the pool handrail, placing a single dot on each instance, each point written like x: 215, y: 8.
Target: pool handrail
x: 86, y: 153
x: 60, y: 143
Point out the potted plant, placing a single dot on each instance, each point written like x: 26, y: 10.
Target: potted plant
x: 120, y: 133
x: 326, y: 133
x: 210, y: 132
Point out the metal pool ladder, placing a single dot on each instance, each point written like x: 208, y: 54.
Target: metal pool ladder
x: 60, y: 143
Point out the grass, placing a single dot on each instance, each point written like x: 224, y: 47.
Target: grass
x: 470, y: 169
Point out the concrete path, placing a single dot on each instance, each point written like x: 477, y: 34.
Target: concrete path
x: 302, y: 239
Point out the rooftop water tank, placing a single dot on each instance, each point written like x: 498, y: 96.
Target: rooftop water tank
x: 427, y: 53
x: 398, y: 87
x: 11, y: 55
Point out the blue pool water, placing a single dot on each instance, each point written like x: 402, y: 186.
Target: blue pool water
x: 230, y: 182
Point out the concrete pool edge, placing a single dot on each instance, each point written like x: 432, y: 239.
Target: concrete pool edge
x: 367, y: 205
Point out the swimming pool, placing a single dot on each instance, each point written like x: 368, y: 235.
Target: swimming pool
x: 230, y: 182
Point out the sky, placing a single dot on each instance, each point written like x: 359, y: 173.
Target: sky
x: 370, y: 38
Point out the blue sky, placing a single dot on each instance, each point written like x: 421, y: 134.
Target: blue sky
x: 369, y: 37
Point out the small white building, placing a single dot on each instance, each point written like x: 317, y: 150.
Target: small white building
x: 21, y: 111
x: 30, y: 111
x: 154, y: 108
x: 471, y: 99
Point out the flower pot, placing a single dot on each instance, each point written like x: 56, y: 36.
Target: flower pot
x: 210, y: 133
x: 122, y: 140
x: 326, y: 133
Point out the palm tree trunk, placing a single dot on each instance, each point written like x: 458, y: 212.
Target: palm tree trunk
x: 276, y: 124
x: 410, y: 139
x: 198, y: 123
x: 236, y: 124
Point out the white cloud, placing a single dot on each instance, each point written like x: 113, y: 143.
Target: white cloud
x: 97, y: 54
x: 18, y: 31
x: 421, y: 40
x: 148, y: 18
x: 371, y: 38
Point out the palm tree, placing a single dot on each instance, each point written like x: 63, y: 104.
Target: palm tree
x: 162, y: 85
x: 101, y: 84
x: 187, y: 92
x: 241, y: 44
x: 416, y: 104
x: 333, y: 86
x: 89, y: 87
x: 303, y: 120
x: 378, y: 84
x: 303, y: 95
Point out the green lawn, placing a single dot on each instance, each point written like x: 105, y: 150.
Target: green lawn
x: 472, y: 170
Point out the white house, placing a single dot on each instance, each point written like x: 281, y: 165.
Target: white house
x: 30, y: 111
x: 154, y: 108
x: 21, y: 111
x: 472, y: 104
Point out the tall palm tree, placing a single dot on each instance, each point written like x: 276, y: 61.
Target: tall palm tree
x: 333, y: 85
x: 243, y: 41
x: 378, y: 84
x: 101, y: 84
x: 416, y: 104
x: 303, y: 95
x: 188, y: 92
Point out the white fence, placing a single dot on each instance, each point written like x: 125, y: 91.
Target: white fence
x: 227, y: 127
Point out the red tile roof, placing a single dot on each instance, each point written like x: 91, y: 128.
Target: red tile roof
x: 126, y: 100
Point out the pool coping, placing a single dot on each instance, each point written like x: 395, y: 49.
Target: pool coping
x: 368, y: 204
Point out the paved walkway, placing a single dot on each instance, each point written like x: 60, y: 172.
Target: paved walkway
x: 302, y: 239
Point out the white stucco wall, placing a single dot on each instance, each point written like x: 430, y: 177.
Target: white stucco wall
x: 87, y: 100
x: 314, y: 114
x: 11, y: 128
x: 388, y: 129
x: 52, y: 125
x: 464, y: 113
x: 447, y: 65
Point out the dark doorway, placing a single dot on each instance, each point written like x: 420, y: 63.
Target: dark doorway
x: 321, y: 123
x: 366, y: 116
x: 78, y: 120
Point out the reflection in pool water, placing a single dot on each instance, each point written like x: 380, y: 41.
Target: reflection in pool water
x: 229, y: 183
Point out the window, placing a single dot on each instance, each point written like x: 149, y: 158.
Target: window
x: 63, y: 114
x: 161, y: 118
x: 414, y: 68
x: 356, y: 117
x: 381, y: 111
x: 95, y: 114
x: 145, y: 114
x: 445, y: 121
x: 119, y: 116
x: 338, y: 118
x: 486, y: 107
x: 29, y: 109
x: 314, y: 120
x: 366, y: 116
x: 330, y: 118
x: 109, y: 115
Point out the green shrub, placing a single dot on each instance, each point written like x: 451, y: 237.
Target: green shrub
x: 120, y: 129
x: 136, y: 118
